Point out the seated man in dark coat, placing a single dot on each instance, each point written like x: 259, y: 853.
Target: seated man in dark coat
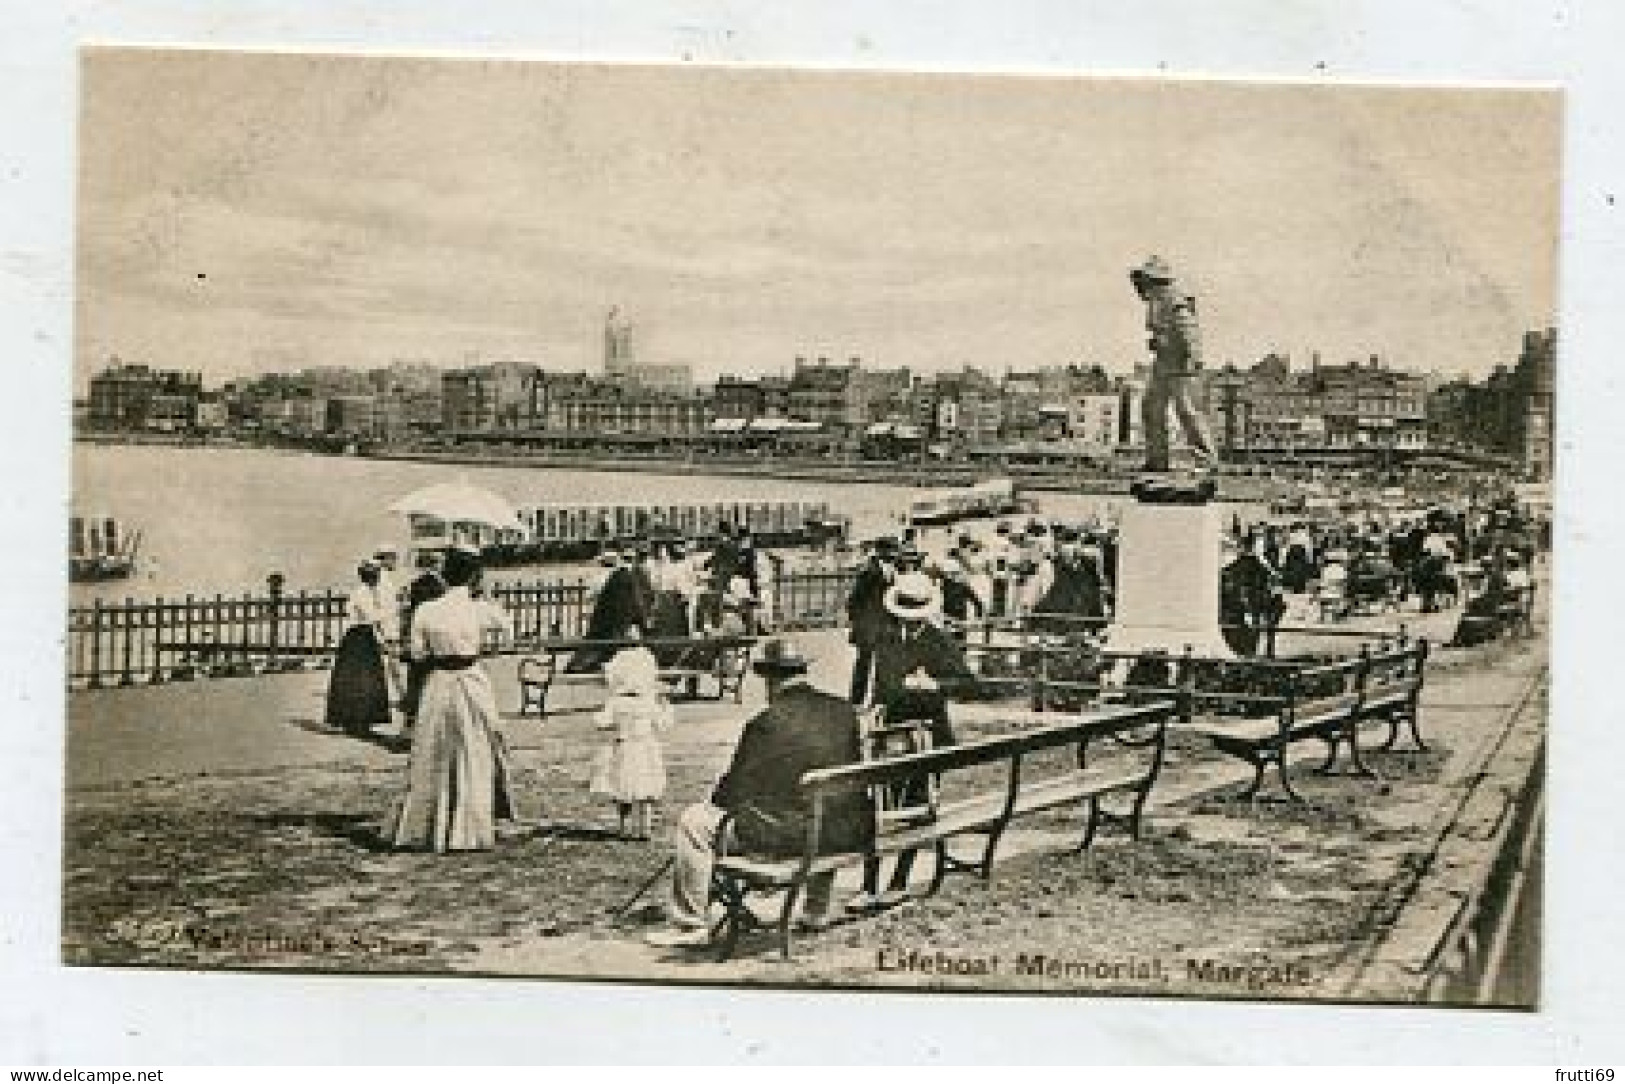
x: 757, y: 805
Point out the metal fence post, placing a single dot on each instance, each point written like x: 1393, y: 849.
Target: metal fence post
x: 273, y: 633
x: 125, y: 675
x: 96, y: 644
x: 160, y: 617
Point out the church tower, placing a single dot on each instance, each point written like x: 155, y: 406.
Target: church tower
x: 618, y: 361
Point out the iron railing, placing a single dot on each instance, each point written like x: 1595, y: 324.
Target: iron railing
x: 149, y: 642
x: 152, y: 641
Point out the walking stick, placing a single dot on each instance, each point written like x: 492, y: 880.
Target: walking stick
x: 665, y: 866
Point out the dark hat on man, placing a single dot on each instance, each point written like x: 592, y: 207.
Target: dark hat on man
x: 910, y: 558
x: 779, y: 659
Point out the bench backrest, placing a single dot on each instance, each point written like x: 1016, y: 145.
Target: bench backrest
x: 1352, y: 681
x: 1067, y: 730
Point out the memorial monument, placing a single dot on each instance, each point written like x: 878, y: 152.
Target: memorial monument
x: 1169, y: 538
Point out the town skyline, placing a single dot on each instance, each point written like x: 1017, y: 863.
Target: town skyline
x: 247, y: 213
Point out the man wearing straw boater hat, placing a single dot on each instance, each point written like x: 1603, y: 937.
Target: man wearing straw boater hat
x: 1176, y: 356
x: 756, y: 807
x: 916, y: 643
x: 917, y: 664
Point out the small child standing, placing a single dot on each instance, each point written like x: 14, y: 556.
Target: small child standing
x: 631, y: 770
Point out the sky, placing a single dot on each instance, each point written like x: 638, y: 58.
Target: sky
x: 246, y: 212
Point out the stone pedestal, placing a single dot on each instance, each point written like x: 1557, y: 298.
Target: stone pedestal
x: 1168, y: 563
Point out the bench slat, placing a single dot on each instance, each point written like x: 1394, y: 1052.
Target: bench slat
x: 1065, y: 729
x: 952, y: 820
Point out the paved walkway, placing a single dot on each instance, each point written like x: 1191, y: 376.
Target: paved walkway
x: 236, y: 726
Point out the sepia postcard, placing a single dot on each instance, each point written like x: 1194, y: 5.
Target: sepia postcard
x: 1052, y: 535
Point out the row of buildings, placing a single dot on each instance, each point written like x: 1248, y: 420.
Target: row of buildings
x: 1267, y: 408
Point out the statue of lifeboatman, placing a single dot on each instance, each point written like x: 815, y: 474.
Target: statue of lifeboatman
x: 1176, y: 356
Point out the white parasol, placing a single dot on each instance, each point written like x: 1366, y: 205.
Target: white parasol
x: 459, y: 502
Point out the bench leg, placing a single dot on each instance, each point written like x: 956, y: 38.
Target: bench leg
x: 1131, y: 822
x: 1351, y: 735
x: 1259, y: 763
x: 1091, y: 823
x: 1261, y: 760
x: 939, y: 872
x: 1332, y: 744
x: 1360, y: 767
x: 1413, y: 717
x: 791, y: 896
x: 1136, y: 817
x: 725, y: 936
x: 1406, y: 717
x: 1392, y: 718
x: 1286, y: 779
x: 737, y: 917
x: 985, y: 867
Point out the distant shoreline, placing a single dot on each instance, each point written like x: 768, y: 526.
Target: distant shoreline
x: 1232, y: 488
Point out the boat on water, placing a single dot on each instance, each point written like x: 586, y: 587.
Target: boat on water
x: 101, y: 548
x: 995, y: 497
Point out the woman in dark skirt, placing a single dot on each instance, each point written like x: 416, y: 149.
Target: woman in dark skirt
x: 358, y: 692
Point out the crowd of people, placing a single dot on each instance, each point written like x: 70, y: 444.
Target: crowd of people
x: 670, y: 590
x: 913, y: 601
x: 416, y: 648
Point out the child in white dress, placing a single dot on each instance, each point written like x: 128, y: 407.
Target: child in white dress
x: 631, y: 770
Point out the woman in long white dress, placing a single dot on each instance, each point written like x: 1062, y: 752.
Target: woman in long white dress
x: 457, y: 780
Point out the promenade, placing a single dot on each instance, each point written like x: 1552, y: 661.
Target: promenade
x: 217, y: 824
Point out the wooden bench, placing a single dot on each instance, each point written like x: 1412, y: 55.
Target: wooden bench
x: 1329, y: 702
x: 719, y: 661
x: 985, y: 812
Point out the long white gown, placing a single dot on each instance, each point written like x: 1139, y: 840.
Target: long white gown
x: 457, y: 780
